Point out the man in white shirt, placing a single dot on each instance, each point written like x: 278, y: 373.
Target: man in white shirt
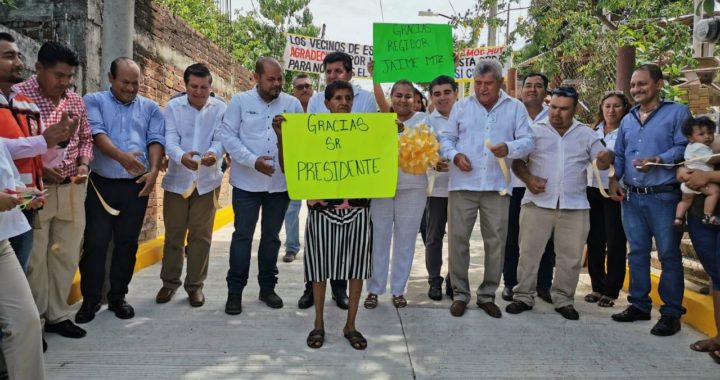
x: 190, y: 184
x: 477, y: 183
x: 556, y: 202
x: 258, y: 183
x: 443, y: 93
x: 533, y: 93
x: 337, y: 66
x: 22, y: 348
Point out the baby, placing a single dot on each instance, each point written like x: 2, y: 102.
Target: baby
x: 700, y: 133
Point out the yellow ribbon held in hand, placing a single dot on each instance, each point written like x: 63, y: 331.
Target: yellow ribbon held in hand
x: 106, y: 206
x: 596, y: 172
x: 503, y: 168
x: 418, y: 150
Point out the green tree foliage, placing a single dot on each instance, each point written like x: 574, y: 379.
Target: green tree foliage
x: 202, y: 15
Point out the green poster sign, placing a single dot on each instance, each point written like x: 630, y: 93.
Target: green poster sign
x: 340, y: 155
x: 416, y: 52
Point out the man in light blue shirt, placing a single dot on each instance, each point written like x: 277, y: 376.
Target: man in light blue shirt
x: 651, y: 134
x: 191, y: 184
x: 337, y: 66
x: 129, y: 134
x: 258, y: 183
x: 477, y: 184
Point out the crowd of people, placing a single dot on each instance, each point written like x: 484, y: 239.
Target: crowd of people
x: 77, y: 173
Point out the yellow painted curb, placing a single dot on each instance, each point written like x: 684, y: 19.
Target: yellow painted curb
x: 150, y: 252
x: 699, y: 306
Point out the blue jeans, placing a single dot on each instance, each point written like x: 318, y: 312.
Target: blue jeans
x: 706, y: 241
x: 292, y: 227
x: 23, y: 243
x: 247, y: 206
x: 644, y: 217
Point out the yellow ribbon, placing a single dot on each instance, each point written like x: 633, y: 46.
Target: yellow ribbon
x: 188, y: 192
x: 596, y: 172
x: 503, y: 168
x: 106, y: 206
x: 704, y: 158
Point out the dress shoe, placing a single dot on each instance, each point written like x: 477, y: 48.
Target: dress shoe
x: 517, y: 307
x: 544, y: 295
x: 341, y: 299
x: 666, y: 326
x: 289, y: 257
x: 164, y: 295
x: 631, y: 314
x: 66, y: 329
x: 490, y: 308
x: 122, y: 309
x: 87, y: 312
x: 233, y: 306
x: 568, y: 312
x: 271, y: 299
x: 306, y: 299
x: 196, y: 298
x: 507, y: 294
x: 457, y: 309
x: 435, y: 291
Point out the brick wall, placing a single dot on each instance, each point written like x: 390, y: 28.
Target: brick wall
x: 164, y: 46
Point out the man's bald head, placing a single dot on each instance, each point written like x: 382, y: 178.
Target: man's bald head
x: 264, y: 63
x: 124, y: 78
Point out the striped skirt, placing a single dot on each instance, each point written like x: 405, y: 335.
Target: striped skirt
x: 338, y: 244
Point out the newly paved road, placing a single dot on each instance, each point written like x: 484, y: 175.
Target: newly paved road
x: 423, y: 341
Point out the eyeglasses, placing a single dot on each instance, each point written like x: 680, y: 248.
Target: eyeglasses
x: 305, y: 86
x: 565, y: 91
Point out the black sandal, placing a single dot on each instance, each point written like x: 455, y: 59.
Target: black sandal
x: 715, y: 355
x: 711, y: 220
x: 399, y: 301
x: 357, y: 340
x: 592, y: 297
x: 705, y: 345
x: 316, y: 338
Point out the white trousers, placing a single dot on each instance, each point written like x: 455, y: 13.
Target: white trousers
x: 395, y: 220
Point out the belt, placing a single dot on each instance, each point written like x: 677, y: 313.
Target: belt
x: 652, y: 189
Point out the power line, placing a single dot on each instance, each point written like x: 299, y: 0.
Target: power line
x: 382, y: 14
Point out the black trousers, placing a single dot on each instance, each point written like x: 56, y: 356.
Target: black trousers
x: 436, y: 221
x: 512, y: 248
x: 606, y: 231
x: 123, y: 230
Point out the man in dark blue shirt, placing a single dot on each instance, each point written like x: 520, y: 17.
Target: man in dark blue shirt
x: 649, y: 135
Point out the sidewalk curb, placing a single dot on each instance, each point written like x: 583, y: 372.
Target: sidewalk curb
x: 150, y: 252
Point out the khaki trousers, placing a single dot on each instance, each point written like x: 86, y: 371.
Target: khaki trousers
x: 571, y: 229
x: 56, y: 250
x: 194, y: 218
x: 19, y: 321
x: 463, y: 209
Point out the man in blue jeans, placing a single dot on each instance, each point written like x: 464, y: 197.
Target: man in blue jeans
x: 649, y: 135
x: 258, y: 184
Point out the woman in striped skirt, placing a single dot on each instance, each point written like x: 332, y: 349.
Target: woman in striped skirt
x: 338, y: 238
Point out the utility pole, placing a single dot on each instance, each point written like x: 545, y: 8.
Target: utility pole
x: 118, y: 31
x: 492, y: 30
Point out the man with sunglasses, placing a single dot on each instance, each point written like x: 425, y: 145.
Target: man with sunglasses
x: 651, y: 134
x: 555, y: 173
x: 337, y: 66
x: 303, y: 91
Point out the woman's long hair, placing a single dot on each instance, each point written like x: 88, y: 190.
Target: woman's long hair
x: 600, y: 118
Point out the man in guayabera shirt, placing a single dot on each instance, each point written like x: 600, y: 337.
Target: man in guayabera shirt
x: 129, y: 134
x: 56, y: 245
x: 258, y: 183
x: 650, y: 134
